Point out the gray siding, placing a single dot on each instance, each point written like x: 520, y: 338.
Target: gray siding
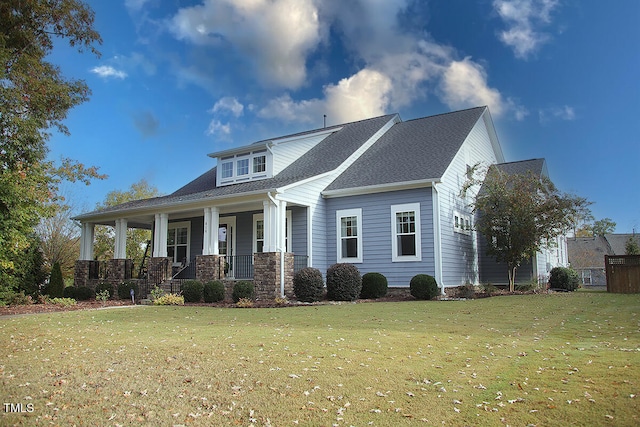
x: 460, y: 250
x: 299, y: 230
x: 376, y: 233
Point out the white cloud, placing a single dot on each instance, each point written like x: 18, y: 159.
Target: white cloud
x: 523, y: 19
x: 276, y: 35
x: 464, y: 84
x: 106, y: 71
x: 230, y: 104
x: 135, y: 5
x: 565, y: 113
x: 218, y: 128
x: 363, y: 95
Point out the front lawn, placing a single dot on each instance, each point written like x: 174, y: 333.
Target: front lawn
x: 559, y: 359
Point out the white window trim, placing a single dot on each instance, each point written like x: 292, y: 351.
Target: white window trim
x: 464, y: 224
x: 250, y: 175
x: 260, y: 217
x: 415, y: 207
x: 346, y: 213
x: 187, y: 225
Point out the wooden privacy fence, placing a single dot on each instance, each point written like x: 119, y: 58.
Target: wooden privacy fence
x: 623, y: 273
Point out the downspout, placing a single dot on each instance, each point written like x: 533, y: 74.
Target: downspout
x: 437, y: 242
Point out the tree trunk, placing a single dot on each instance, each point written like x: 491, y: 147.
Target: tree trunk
x: 512, y: 278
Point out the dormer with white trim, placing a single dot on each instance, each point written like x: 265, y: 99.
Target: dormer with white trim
x: 265, y: 159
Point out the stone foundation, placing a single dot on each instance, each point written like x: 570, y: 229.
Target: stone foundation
x: 266, y: 275
x: 82, y: 272
x: 209, y: 268
x: 119, y: 270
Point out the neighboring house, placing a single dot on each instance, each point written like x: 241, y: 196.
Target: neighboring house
x: 540, y: 264
x: 380, y: 193
x: 586, y: 255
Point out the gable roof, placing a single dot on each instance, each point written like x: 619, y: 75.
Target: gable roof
x: 536, y: 166
x: 415, y: 150
x: 618, y: 242
x: 324, y: 157
x: 587, y: 252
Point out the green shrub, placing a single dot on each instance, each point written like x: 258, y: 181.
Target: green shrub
x: 84, y: 293
x: 169, y: 299
x: 55, y: 287
x: 156, y: 293
x: 308, y: 285
x: 344, y: 282
x: 192, y: 291
x: 242, y: 290
x: 374, y: 285
x: 64, y: 302
x: 105, y: 286
x: 103, y: 296
x: 11, y: 297
x: 124, y: 290
x: 213, y: 291
x: 69, y: 292
x: 423, y: 287
x: 564, y: 278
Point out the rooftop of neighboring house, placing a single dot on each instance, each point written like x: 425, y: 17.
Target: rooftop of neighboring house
x: 589, y: 252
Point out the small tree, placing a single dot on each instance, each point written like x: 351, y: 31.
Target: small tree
x: 55, y: 288
x: 631, y: 247
x: 519, y: 214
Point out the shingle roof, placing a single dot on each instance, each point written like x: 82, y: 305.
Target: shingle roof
x: 324, y: 157
x: 537, y: 166
x: 411, y: 151
x: 618, y: 242
x: 587, y: 252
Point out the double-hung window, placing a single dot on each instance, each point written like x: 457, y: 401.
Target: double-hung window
x: 227, y: 169
x: 243, y: 167
x: 178, y: 242
x: 349, y: 234
x: 405, y: 234
x: 259, y: 164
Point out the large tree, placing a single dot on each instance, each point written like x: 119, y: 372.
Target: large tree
x: 136, y: 238
x: 60, y: 237
x: 520, y: 214
x: 34, y: 100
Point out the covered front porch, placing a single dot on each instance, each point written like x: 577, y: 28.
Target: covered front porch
x: 263, y: 239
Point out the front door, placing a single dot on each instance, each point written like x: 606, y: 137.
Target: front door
x: 226, y: 242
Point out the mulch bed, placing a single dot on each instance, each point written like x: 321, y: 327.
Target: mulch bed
x: 13, y: 310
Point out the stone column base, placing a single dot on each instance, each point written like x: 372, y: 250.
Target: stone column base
x: 209, y: 268
x: 266, y: 275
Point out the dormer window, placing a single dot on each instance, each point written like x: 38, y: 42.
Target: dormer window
x: 259, y: 164
x: 243, y: 167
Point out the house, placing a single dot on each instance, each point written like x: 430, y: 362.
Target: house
x: 381, y: 193
x: 586, y: 255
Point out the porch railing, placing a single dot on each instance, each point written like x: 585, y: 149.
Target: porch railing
x: 239, y: 266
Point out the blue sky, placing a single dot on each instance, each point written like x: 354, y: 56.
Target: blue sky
x: 180, y: 79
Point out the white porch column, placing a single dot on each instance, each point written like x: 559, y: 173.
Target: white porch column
x: 86, y: 241
x: 215, y: 225
x: 206, y: 232
x: 270, y: 226
x: 210, y: 235
x: 282, y: 226
x: 160, y: 232
x: 120, y: 250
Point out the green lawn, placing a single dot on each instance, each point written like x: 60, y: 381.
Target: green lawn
x: 560, y: 359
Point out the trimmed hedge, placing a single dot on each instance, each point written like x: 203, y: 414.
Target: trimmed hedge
x: 308, y: 285
x: 344, y: 282
x: 423, y: 287
x: 374, y: 285
x: 55, y: 287
x: 564, y: 278
x: 192, y: 290
x: 241, y: 290
x: 81, y: 293
x: 213, y: 291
